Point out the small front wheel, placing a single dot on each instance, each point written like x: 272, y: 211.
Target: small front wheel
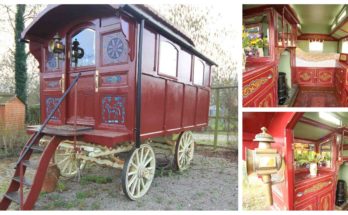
x: 138, y: 172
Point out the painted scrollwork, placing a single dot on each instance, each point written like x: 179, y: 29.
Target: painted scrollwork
x: 253, y: 86
x: 305, y: 76
x: 113, y: 110
x: 316, y: 187
x: 50, y: 104
x: 325, y: 76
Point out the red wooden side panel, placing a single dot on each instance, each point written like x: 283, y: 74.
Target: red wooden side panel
x: 189, y: 106
x: 202, y: 104
x: 174, y: 102
x: 152, y: 102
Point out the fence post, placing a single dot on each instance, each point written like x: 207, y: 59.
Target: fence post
x: 217, y: 115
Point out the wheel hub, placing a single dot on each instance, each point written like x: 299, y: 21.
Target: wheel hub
x: 143, y: 172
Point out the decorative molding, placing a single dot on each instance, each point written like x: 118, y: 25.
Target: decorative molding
x: 53, y: 84
x: 114, y: 48
x: 316, y: 37
x: 267, y: 101
x: 253, y: 86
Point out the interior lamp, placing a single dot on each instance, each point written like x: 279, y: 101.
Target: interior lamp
x: 330, y: 118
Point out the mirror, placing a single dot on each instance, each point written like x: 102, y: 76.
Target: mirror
x: 279, y: 30
x: 325, y: 150
x: 256, y: 35
x: 301, y: 151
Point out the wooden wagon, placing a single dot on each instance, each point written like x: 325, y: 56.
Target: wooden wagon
x: 114, y: 79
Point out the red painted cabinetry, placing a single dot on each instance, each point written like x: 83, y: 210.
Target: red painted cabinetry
x: 259, y: 87
x: 315, y: 77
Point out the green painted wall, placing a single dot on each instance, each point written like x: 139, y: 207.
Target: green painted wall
x: 315, y: 29
x: 284, y: 66
x: 329, y: 46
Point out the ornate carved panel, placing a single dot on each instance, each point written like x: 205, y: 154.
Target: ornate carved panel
x: 253, y: 86
x: 52, y: 62
x: 113, y: 109
x: 51, y: 102
x: 114, y: 48
x: 113, y: 80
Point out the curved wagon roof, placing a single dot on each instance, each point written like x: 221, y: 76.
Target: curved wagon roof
x: 55, y: 16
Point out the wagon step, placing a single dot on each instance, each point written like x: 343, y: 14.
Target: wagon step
x: 26, y: 181
x: 13, y: 196
x: 37, y: 148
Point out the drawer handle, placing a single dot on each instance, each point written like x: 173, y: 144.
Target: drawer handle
x: 270, y: 76
x: 299, y: 194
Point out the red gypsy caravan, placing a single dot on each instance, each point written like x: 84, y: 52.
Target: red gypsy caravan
x: 301, y: 159
x: 116, y: 82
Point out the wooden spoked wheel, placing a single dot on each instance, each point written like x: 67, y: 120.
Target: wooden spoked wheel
x: 184, y: 150
x: 65, y: 158
x: 138, y: 172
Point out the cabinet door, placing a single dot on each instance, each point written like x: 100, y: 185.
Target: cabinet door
x: 325, y: 77
x: 307, y: 205
x: 267, y: 98
x: 325, y: 201
x: 305, y: 76
x: 255, y: 85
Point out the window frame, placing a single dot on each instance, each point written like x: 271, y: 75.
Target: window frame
x: 194, y: 71
x: 163, y: 39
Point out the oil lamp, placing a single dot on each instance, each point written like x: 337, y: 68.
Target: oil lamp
x: 56, y: 46
x: 264, y: 160
x: 76, y: 52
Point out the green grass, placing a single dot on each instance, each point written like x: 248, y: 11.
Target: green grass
x: 95, y: 179
x: 84, y: 195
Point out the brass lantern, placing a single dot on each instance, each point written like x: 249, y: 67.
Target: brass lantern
x: 56, y: 46
x: 264, y: 160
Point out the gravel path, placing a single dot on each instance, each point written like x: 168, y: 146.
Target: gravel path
x: 210, y: 184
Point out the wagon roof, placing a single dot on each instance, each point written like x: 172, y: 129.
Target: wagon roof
x: 51, y: 18
x: 5, y: 98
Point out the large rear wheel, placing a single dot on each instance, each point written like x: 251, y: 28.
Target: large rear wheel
x: 184, y: 151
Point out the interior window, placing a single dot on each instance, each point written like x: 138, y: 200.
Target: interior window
x: 198, y: 72
x: 86, y: 39
x: 316, y: 46
x: 344, y: 47
x: 168, y: 59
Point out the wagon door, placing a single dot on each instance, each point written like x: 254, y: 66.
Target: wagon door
x: 115, y: 75
x: 85, y: 36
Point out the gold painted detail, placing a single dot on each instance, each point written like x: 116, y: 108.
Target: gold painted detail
x: 343, y: 57
x: 253, y: 86
x: 304, y: 76
x: 267, y: 101
x: 325, y: 203
x: 325, y: 76
x: 316, y: 187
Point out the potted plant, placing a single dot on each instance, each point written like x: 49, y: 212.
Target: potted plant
x: 312, y: 158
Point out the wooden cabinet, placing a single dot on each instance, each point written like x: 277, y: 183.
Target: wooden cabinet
x: 315, y: 77
x: 259, y: 87
x: 315, y: 193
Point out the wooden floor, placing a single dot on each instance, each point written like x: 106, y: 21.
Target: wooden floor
x: 312, y: 98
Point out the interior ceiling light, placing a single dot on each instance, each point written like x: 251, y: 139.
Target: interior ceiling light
x: 329, y: 117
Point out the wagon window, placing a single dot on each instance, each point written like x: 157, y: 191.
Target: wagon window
x: 198, y: 72
x: 168, y: 59
x: 86, y: 38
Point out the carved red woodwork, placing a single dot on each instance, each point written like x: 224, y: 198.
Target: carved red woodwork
x: 315, y: 77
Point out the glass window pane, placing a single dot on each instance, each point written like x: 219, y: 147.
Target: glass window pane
x: 198, y: 72
x: 316, y: 46
x: 86, y: 38
x: 168, y: 59
x: 345, y: 47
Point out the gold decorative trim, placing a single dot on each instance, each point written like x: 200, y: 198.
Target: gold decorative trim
x: 253, y: 86
x: 325, y: 76
x: 343, y: 57
x: 304, y: 76
x: 316, y: 187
